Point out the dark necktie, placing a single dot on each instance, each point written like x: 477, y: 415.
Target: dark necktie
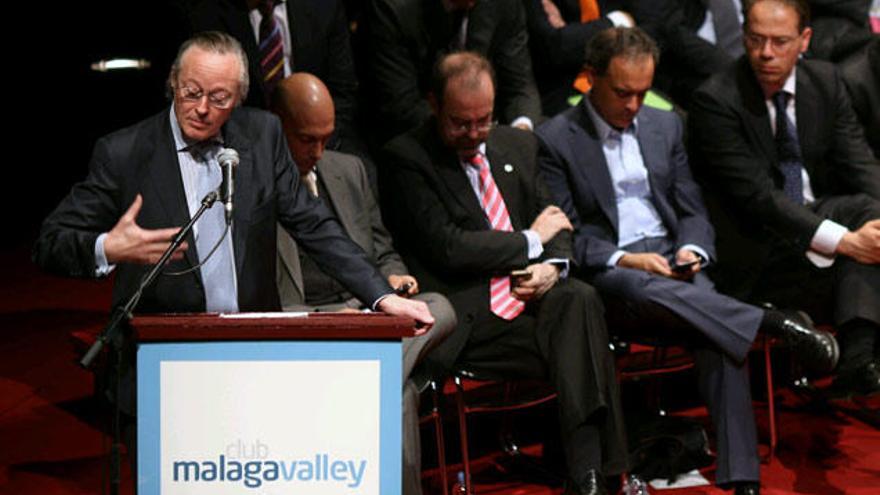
x: 788, y: 151
x: 728, y: 32
x: 271, y: 48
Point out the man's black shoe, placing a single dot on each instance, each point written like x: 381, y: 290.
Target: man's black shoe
x: 816, y: 350
x: 747, y: 488
x: 862, y: 381
x: 591, y: 484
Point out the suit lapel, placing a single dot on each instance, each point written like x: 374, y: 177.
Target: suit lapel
x: 165, y: 174
x: 288, y: 252
x: 506, y: 175
x: 334, y: 183
x: 451, y: 174
x: 756, y: 118
x: 242, y: 196
x: 594, y: 173
x: 652, y: 149
x: 807, y: 101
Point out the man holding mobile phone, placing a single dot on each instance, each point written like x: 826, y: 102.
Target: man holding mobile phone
x: 620, y: 172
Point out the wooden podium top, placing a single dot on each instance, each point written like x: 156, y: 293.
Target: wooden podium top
x: 270, y: 326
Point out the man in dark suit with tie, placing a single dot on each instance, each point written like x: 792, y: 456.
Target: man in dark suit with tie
x: 406, y: 38
x: 620, y: 172
x: 306, y: 110
x: 148, y: 179
x: 797, y: 187
x: 284, y: 37
x: 467, y: 208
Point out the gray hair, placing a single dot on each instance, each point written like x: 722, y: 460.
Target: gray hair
x: 213, y: 42
x: 619, y: 42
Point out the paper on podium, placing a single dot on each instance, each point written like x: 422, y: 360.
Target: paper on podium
x: 275, y: 314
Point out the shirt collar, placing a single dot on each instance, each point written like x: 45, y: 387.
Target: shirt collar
x: 602, y: 127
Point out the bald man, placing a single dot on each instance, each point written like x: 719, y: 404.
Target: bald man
x: 307, y: 115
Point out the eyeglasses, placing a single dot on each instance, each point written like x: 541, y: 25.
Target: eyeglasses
x: 777, y: 43
x: 219, y: 99
x: 459, y: 127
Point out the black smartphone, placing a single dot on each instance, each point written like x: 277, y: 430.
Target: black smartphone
x: 684, y: 267
x: 403, y: 289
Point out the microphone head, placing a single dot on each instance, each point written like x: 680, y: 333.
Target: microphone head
x: 228, y: 156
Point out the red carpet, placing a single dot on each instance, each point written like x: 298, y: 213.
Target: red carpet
x: 50, y: 427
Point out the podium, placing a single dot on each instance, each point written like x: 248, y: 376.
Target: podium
x: 274, y: 403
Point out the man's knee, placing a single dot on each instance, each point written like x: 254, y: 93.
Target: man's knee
x: 575, y: 291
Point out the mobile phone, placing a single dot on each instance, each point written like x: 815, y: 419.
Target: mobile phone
x: 403, y: 290
x: 521, y: 275
x: 684, y: 267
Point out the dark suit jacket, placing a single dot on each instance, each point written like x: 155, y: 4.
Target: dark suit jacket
x: 350, y: 197
x: 406, y: 37
x: 861, y: 73
x: 558, y: 54
x: 574, y: 168
x: 441, y: 229
x: 142, y: 159
x: 319, y: 34
x: 734, y: 154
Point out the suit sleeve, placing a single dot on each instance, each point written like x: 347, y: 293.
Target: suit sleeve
x: 513, y: 65
x: 439, y: 238
x: 66, y: 243
x: 318, y: 232
x: 858, y: 168
x: 395, y: 75
x: 740, y: 173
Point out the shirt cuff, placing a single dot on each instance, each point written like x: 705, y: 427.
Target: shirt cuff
x: 562, y: 264
x: 612, y: 261
x: 700, y: 251
x: 535, y: 246
x: 619, y: 19
x: 102, y: 268
x: 375, y: 305
x: 522, y: 119
x: 824, y: 243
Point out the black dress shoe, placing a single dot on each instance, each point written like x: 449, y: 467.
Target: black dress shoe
x: 862, y: 381
x: 591, y: 484
x: 815, y: 349
x: 747, y: 488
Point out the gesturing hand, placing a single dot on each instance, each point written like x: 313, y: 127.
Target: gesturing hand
x: 129, y: 243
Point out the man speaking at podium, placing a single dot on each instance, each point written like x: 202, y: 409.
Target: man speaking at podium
x: 146, y: 180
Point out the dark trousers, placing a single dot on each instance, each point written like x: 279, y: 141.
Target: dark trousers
x: 845, y: 292
x: 562, y: 337
x: 718, y: 329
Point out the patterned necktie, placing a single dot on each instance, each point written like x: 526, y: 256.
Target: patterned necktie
x: 728, y: 31
x: 271, y: 48
x: 218, y: 273
x: 589, y: 12
x: 310, y: 179
x: 501, y: 302
x: 788, y: 151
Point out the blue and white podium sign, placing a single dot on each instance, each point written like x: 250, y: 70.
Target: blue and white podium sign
x: 269, y: 417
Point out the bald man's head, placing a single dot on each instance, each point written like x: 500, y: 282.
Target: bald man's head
x: 308, y: 116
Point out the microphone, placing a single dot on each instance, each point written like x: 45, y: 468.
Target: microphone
x: 228, y: 159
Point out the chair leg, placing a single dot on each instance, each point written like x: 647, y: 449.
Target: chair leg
x: 771, y: 398
x: 438, y: 435
x: 463, y: 437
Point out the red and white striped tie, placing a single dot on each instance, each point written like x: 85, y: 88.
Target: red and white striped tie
x: 501, y: 302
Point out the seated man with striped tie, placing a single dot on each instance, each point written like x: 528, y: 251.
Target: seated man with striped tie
x: 473, y: 221
x: 797, y: 186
